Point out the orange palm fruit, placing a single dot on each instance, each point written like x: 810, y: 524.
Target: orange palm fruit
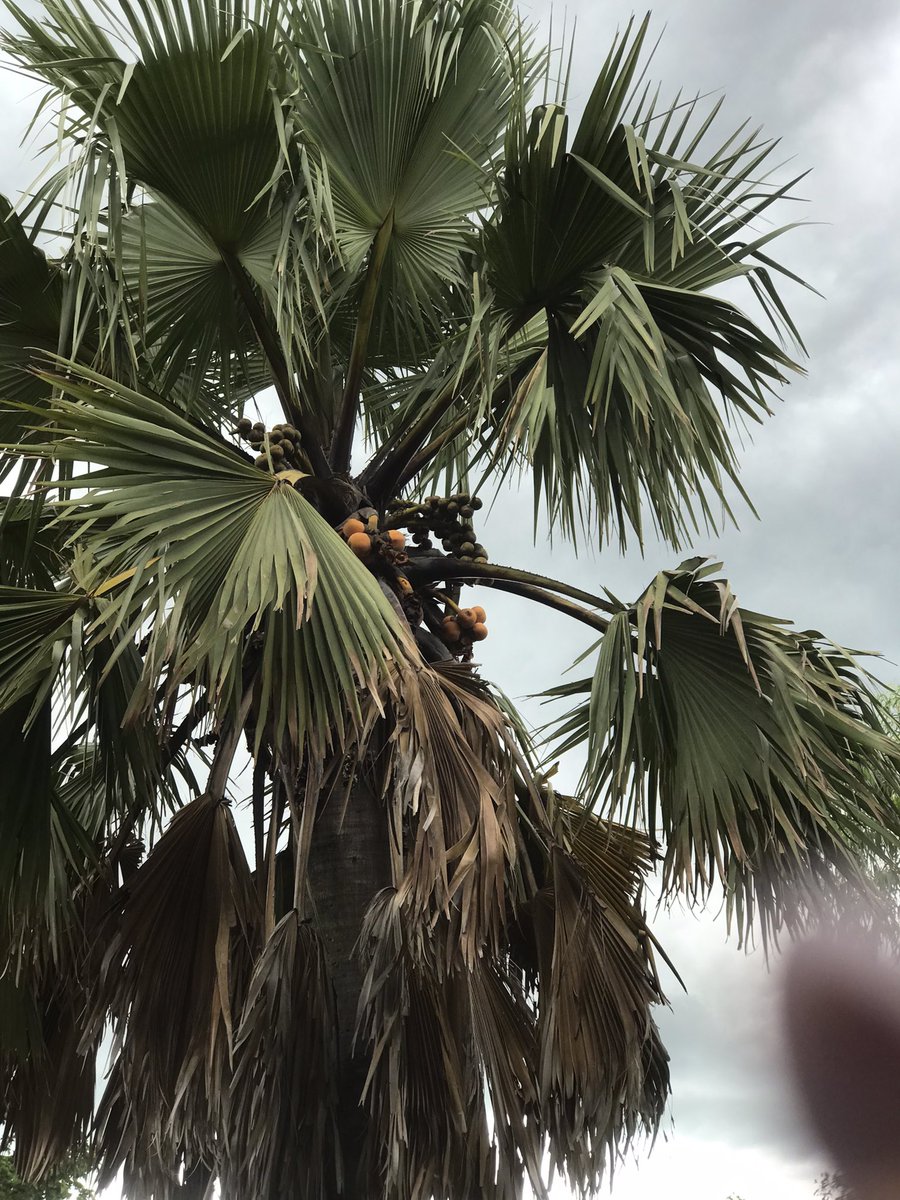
x: 450, y: 631
x: 396, y: 538
x: 479, y: 613
x: 352, y: 526
x: 360, y: 544
x: 466, y: 617
x: 478, y: 632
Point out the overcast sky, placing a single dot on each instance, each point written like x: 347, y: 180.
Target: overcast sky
x: 823, y: 474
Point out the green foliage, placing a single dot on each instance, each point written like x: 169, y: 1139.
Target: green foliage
x: 66, y: 1185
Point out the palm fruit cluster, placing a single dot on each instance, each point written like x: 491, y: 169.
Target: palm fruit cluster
x: 366, y: 540
x: 283, y: 444
x: 463, y: 626
x: 448, y: 518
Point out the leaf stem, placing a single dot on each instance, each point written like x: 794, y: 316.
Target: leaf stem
x: 281, y: 376
x: 438, y: 567
x: 424, y: 456
x: 392, y: 463
x: 342, y: 442
x: 381, y: 476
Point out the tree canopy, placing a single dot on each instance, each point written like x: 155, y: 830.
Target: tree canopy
x: 411, y: 969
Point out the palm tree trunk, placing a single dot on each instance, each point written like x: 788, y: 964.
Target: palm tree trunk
x: 349, y: 864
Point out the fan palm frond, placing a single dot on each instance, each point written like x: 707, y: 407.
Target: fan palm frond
x: 31, y: 305
x: 448, y: 768
x: 186, y: 533
x: 756, y: 754
x: 176, y: 966
x: 614, y: 407
x: 404, y: 106
x: 281, y: 1118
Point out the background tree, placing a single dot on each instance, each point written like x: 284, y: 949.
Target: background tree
x: 64, y: 1185
x: 422, y: 972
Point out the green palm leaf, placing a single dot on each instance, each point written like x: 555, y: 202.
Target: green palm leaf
x: 755, y: 753
x: 613, y: 407
x: 31, y: 302
x: 190, y: 120
x: 31, y: 554
x: 215, y: 551
x: 404, y: 105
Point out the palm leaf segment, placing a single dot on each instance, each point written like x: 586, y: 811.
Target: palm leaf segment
x: 622, y: 369
x: 189, y: 538
x: 190, y: 127
x: 757, y: 754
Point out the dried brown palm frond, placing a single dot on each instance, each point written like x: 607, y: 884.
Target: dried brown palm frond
x: 439, y: 1029
x: 478, y: 1069
x: 603, y: 1069
x: 179, y: 958
x: 47, y: 1059
x: 47, y: 1097
x: 281, y: 1135
x: 449, y: 778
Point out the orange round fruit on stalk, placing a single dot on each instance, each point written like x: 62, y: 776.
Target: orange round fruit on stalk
x: 361, y: 544
x: 396, y: 538
x: 480, y: 614
x: 467, y: 617
x: 450, y: 630
x: 352, y: 526
x: 478, y: 632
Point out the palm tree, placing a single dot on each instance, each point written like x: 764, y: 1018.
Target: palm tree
x: 416, y: 970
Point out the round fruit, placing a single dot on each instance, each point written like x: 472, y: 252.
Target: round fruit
x: 277, y: 453
x: 244, y: 425
x: 467, y: 511
x: 261, y: 461
x: 477, y: 502
x: 452, y: 507
x: 466, y: 617
x: 258, y: 427
x: 480, y: 558
x: 396, y: 538
x: 478, y: 632
x: 480, y: 614
x: 466, y: 558
x: 351, y: 526
x: 360, y: 543
x: 466, y: 548
x: 450, y: 631
x: 287, y: 446
x: 404, y: 585
x: 275, y: 436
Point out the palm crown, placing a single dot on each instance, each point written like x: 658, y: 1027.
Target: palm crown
x: 425, y: 971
